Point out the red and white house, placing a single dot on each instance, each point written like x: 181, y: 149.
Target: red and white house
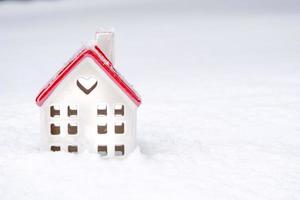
x: 87, y: 106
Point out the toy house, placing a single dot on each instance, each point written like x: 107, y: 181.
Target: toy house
x: 88, y: 106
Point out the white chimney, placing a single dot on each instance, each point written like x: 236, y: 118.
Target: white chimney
x: 105, y: 40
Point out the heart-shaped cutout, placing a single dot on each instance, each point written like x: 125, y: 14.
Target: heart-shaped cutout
x: 87, y: 84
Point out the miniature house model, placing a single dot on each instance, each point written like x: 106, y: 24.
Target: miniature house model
x: 88, y: 106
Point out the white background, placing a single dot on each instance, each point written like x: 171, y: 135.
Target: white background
x: 220, y: 83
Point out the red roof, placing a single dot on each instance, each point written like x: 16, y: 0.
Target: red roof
x: 98, y: 56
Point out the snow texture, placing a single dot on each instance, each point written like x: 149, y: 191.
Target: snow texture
x: 221, y: 100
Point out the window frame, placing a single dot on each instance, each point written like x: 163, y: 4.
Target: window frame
x: 122, y: 150
x: 72, y: 112
x: 73, y: 148
x: 118, y: 125
x: 70, y: 127
x: 53, y: 112
x: 119, y: 112
x: 105, y: 150
x: 104, y: 126
x: 100, y: 109
x: 53, y: 128
x: 55, y: 148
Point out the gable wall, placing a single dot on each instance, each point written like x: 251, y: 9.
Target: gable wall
x: 68, y: 93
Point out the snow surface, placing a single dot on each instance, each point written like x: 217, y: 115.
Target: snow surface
x: 221, y: 100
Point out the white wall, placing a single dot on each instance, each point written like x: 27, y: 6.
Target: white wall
x: 106, y: 91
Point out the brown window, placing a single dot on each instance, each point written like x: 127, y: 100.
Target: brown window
x: 54, y: 129
x: 119, y: 150
x: 102, y: 150
x: 54, y: 110
x: 55, y: 148
x: 119, y: 110
x: 72, y: 128
x: 119, y: 128
x: 72, y: 110
x: 72, y: 148
x: 102, y: 128
x: 102, y: 110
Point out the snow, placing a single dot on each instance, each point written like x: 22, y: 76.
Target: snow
x: 221, y: 100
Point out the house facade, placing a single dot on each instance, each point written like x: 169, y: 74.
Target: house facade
x: 87, y: 106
